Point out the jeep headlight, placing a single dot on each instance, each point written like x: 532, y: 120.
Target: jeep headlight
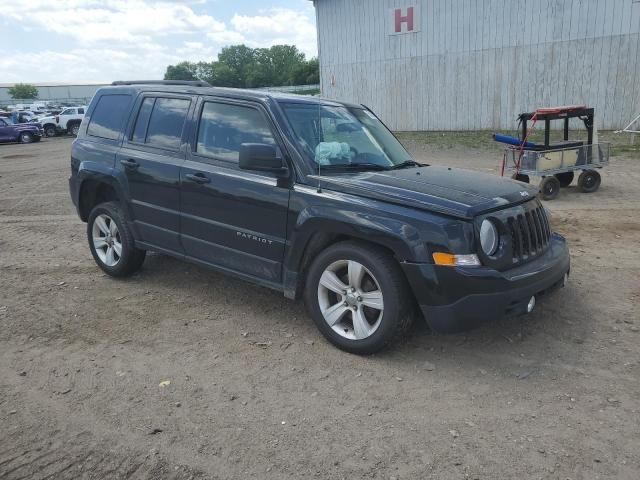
x: 488, y: 237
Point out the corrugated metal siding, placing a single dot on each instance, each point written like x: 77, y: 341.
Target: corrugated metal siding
x: 476, y: 64
x: 58, y: 92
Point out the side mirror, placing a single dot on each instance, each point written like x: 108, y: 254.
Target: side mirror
x: 261, y: 157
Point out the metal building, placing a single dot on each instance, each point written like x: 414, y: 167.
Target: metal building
x: 55, y: 91
x: 475, y: 64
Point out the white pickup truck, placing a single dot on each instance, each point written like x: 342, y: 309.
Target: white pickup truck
x: 68, y: 120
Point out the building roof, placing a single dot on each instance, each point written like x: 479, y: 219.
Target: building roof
x: 57, y: 84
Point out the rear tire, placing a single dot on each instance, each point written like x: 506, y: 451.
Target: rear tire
x: 50, y: 130
x: 111, y: 241
x: 379, y: 308
x: 589, y: 181
x: 550, y: 188
x: 74, y: 128
x: 25, y: 137
x: 565, y: 178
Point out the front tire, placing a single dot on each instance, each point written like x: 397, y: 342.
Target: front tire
x: 111, y: 241
x: 521, y: 177
x: 358, y: 297
x: 25, y: 137
x: 550, y: 187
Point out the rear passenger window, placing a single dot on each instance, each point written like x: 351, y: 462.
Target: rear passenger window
x: 108, y: 117
x: 140, y: 129
x: 166, y: 122
x: 224, y: 127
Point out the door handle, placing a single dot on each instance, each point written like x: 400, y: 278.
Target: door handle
x: 197, y: 177
x: 129, y: 163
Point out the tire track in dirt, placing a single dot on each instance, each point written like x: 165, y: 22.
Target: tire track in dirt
x: 79, y: 456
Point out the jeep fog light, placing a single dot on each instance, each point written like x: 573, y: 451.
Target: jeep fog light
x: 452, y: 260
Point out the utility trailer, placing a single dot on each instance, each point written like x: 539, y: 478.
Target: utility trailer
x: 556, y: 163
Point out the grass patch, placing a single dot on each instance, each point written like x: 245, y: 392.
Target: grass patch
x: 621, y: 143
x: 450, y: 139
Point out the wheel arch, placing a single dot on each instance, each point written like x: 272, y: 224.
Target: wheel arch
x: 93, y: 191
x: 320, y: 234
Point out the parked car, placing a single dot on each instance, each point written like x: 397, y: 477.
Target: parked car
x: 19, y: 132
x: 22, y: 116
x: 67, y: 121
x: 313, y: 198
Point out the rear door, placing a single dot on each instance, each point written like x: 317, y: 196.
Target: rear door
x: 150, y: 159
x: 232, y: 218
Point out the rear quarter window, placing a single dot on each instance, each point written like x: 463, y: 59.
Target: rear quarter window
x: 107, y: 119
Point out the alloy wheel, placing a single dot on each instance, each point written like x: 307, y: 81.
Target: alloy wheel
x: 350, y: 299
x: 106, y: 240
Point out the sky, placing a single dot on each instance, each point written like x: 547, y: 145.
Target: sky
x: 106, y: 40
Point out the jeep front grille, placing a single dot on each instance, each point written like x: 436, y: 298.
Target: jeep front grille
x: 530, y: 233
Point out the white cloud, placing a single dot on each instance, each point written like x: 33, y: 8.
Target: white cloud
x: 134, y: 38
x: 278, y: 26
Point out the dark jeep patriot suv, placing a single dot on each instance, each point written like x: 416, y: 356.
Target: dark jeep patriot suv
x: 311, y: 197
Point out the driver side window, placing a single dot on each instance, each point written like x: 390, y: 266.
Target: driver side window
x: 224, y: 127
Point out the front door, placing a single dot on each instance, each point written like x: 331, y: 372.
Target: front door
x: 151, y: 157
x: 5, y: 131
x: 231, y: 218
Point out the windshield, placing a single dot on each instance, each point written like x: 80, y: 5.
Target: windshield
x: 342, y: 137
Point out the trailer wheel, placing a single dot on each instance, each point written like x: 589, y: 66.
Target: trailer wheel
x: 550, y: 187
x: 565, y: 178
x: 521, y: 177
x: 589, y: 181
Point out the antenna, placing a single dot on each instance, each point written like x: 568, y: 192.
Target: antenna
x: 318, y: 126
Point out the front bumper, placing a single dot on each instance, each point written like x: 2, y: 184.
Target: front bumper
x: 454, y: 299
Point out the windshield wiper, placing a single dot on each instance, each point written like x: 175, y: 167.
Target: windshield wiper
x: 355, y: 166
x: 406, y: 164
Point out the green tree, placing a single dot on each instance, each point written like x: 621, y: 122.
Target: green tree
x: 182, y: 71
x: 284, y: 60
x: 23, y: 90
x: 244, y: 67
x: 241, y: 60
x: 307, y: 73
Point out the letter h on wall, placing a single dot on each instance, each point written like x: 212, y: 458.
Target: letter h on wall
x: 400, y: 19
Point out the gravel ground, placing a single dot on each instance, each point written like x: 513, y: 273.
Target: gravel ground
x: 181, y: 372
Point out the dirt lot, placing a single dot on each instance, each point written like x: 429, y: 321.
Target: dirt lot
x: 255, y: 392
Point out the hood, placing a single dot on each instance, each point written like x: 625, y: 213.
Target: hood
x: 27, y: 126
x: 451, y: 191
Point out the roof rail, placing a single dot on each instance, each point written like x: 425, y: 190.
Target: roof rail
x: 190, y: 83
